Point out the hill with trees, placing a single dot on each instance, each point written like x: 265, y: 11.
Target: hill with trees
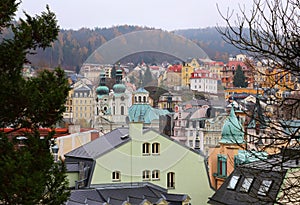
x: 73, y: 47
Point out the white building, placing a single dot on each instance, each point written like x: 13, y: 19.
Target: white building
x: 204, y: 81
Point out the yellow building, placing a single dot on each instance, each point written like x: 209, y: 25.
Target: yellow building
x: 279, y: 79
x: 230, y: 92
x: 187, y: 70
x: 80, y: 104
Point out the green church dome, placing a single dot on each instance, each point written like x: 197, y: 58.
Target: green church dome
x: 102, y: 90
x: 232, y: 131
x: 119, y: 88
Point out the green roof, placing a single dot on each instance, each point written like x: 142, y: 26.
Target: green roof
x: 141, y: 90
x: 119, y: 88
x: 102, y: 90
x: 232, y: 131
x: 144, y: 113
x: 246, y: 156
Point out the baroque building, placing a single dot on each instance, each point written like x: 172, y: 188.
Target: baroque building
x: 112, y: 106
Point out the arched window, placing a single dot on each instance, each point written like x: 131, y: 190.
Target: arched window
x: 171, y: 180
x: 155, y: 148
x: 140, y: 99
x: 146, y: 175
x: 116, y: 176
x: 135, y: 99
x: 146, y: 148
x: 122, y: 110
x: 144, y: 99
x: 155, y: 175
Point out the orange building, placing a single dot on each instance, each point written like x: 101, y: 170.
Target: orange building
x: 221, y: 160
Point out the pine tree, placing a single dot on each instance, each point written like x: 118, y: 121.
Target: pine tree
x: 147, y: 77
x: 239, y: 79
x: 28, y: 173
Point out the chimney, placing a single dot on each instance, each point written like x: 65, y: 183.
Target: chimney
x: 135, y: 129
x: 94, y: 135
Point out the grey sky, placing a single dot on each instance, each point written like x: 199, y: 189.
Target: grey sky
x: 161, y: 14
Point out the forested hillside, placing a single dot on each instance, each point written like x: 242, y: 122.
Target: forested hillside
x: 72, y: 47
x: 210, y: 41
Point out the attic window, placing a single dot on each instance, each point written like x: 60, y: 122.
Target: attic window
x: 116, y: 176
x: 233, y: 182
x: 264, y: 187
x: 246, y: 184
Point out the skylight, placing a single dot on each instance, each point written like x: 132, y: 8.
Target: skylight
x: 264, y: 187
x: 233, y: 182
x: 246, y: 184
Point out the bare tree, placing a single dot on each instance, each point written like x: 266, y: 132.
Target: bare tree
x: 269, y: 32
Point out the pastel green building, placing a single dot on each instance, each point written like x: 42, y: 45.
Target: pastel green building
x: 135, y: 154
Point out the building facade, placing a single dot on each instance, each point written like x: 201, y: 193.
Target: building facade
x: 204, y: 81
x: 80, y: 104
x: 230, y: 68
x: 187, y: 69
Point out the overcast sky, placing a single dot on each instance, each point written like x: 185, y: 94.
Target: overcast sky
x: 161, y: 14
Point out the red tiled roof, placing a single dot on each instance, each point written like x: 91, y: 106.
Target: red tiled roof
x: 175, y: 68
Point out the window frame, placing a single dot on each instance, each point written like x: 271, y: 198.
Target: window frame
x: 155, y: 175
x: 246, y: 185
x: 265, y: 187
x: 146, y: 149
x: 171, y: 180
x: 146, y: 175
x: 122, y: 110
x: 233, y: 182
x: 155, y: 148
x: 222, y: 165
x: 116, y: 176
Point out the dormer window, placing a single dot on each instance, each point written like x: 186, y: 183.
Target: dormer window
x: 264, y: 187
x: 246, y: 184
x: 233, y: 182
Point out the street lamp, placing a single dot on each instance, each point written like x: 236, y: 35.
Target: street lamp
x: 55, y: 149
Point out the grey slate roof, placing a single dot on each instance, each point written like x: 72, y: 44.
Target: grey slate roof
x: 197, y: 102
x: 101, y: 145
x: 132, y: 193
x: 273, y: 169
